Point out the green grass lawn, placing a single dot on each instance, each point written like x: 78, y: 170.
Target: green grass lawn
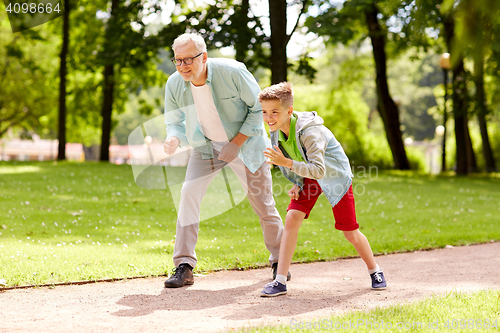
x: 85, y: 221
x: 453, y: 312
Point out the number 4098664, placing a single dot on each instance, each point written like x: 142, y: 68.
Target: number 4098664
x: 471, y: 324
x: 32, y: 8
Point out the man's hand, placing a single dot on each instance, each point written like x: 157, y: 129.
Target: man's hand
x: 170, y: 145
x: 276, y: 157
x: 294, y: 192
x: 229, y: 152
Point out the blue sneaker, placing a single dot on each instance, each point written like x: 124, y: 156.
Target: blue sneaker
x: 378, y: 281
x: 273, y: 289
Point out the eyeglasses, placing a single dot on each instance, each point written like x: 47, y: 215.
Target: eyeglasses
x: 187, y: 61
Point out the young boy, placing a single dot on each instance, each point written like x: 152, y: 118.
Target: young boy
x: 310, y: 157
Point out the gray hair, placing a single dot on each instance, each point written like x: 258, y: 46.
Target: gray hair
x: 198, y: 41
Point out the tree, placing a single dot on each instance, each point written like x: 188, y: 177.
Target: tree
x: 353, y: 21
x: 460, y: 102
x: 108, y: 87
x: 442, y: 16
x: 477, y: 21
x: 386, y: 106
x: 279, y: 38
x: 114, y: 55
x: 242, y: 30
x: 27, y: 74
x: 482, y: 112
x: 61, y: 151
x: 232, y: 23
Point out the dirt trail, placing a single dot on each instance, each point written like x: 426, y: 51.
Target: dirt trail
x: 230, y: 300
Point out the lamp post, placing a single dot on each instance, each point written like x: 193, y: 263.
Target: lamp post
x: 444, y: 63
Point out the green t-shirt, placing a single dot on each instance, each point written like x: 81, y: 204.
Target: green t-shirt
x: 290, y: 144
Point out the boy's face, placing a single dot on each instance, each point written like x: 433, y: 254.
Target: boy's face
x: 275, y: 115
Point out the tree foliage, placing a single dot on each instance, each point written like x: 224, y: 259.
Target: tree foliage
x: 360, y: 19
x: 28, y: 93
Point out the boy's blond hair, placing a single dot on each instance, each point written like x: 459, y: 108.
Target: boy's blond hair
x: 282, y: 91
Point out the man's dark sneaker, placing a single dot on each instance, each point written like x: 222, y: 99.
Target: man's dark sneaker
x: 275, y: 269
x: 183, y: 276
x: 273, y: 289
x: 378, y: 281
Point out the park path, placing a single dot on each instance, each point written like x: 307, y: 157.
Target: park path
x: 229, y: 300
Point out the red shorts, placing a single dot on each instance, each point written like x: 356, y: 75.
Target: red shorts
x: 343, y: 212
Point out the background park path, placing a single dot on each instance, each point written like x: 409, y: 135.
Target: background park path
x: 229, y: 300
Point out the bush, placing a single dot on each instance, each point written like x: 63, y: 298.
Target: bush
x: 416, y: 158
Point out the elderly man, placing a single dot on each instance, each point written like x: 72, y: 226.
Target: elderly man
x: 212, y: 105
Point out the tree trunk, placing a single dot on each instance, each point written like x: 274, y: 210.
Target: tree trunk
x: 459, y: 115
x: 61, y: 151
x: 387, y: 108
x: 107, y: 109
x: 108, y: 91
x: 459, y: 101
x: 471, y: 156
x: 279, y: 40
x: 445, y: 120
x: 482, y: 112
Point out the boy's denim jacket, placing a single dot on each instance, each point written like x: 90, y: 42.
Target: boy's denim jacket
x: 234, y: 91
x: 325, y: 158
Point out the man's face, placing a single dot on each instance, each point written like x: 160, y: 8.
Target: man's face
x: 275, y: 115
x: 197, y: 71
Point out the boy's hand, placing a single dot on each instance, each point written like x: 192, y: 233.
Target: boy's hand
x: 276, y: 157
x: 294, y: 192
